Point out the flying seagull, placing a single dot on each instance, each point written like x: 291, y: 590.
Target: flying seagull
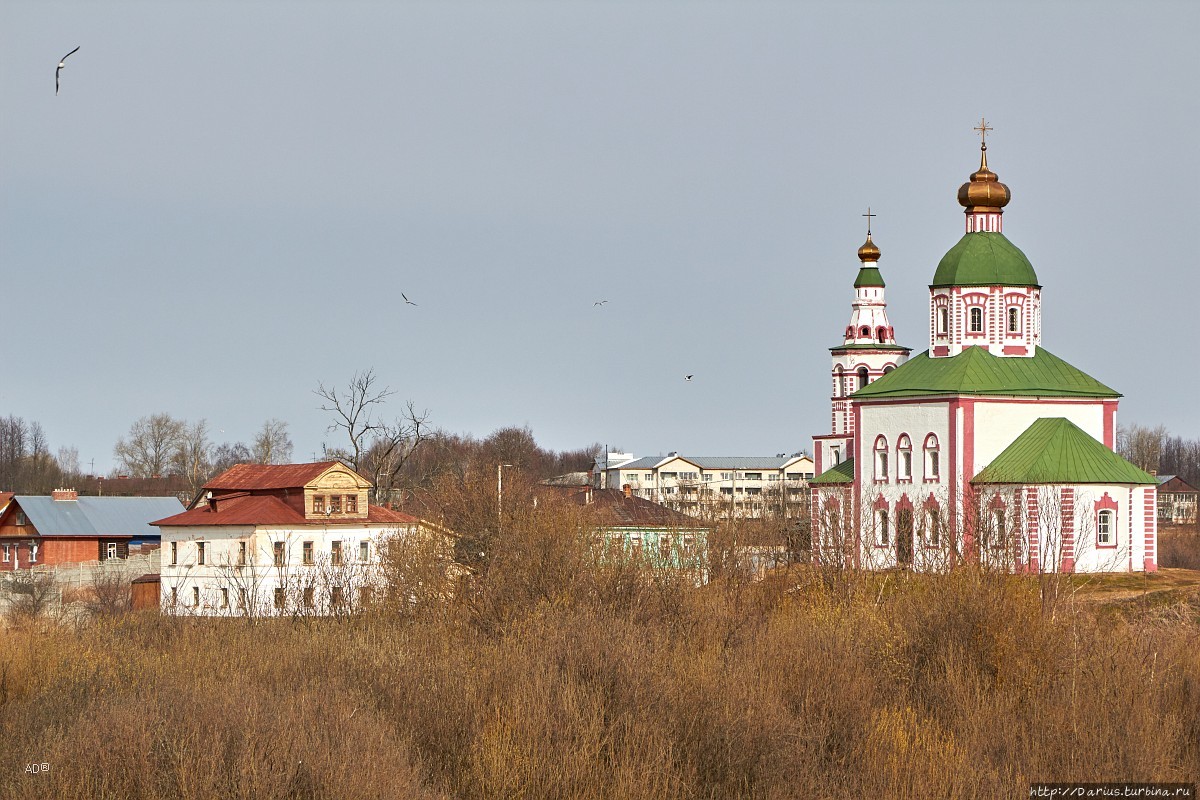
x: 687, y: 377
x: 599, y: 302
x: 410, y: 302
x: 62, y: 62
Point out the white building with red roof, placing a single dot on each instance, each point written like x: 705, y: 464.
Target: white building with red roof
x: 275, y: 540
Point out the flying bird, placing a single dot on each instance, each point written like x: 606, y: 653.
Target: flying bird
x: 62, y: 62
x: 687, y: 377
x: 599, y: 302
x: 410, y: 302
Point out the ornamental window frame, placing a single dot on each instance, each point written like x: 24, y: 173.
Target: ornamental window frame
x: 882, y: 522
x: 975, y: 322
x: 1014, y: 320
x: 933, y: 466
x: 904, y: 459
x: 1106, y: 523
x: 881, y: 459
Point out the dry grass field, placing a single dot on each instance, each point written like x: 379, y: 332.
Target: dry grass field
x: 554, y: 676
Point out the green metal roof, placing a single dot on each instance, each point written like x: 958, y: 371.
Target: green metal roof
x: 869, y: 276
x: 842, y: 473
x: 984, y: 259
x: 1056, y: 450
x: 975, y: 371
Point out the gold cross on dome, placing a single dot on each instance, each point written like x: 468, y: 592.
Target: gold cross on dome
x: 983, y: 128
x: 868, y: 215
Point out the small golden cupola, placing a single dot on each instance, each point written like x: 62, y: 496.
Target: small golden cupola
x: 983, y: 195
x: 868, y: 252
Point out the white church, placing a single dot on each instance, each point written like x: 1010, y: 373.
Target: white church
x: 984, y: 448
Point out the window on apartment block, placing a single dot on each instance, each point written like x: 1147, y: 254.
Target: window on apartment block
x: 243, y: 599
x: 1106, y: 528
x: 277, y: 549
x: 307, y: 552
x: 335, y: 554
x: 976, y: 317
x: 174, y: 595
x: 1014, y: 319
x: 365, y: 595
x: 174, y: 553
x: 201, y: 547
x: 241, y: 557
x: 279, y: 597
x: 351, y: 504
x: 308, y: 596
x: 364, y: 551
x: 337, y: 596
x: 224, y: 597
x: 881, y: 527
x: 335, y: 504
x: 318, y: 504
x: 196, y: 596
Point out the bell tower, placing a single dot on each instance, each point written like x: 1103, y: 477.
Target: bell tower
x: 868, y: 351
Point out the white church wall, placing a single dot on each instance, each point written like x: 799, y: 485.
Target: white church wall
x: 997, y: 423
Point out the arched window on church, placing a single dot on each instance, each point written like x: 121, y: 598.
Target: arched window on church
x: 881, y: 459
x: 904, y: 458
x: 881, y: 334
x: 864, y: 377
x: 942, y: 319
x: 864, y: 332
x: 839, y: 386
x: 976, y: 320
x: 933, y: 467
x: 1014, y: 319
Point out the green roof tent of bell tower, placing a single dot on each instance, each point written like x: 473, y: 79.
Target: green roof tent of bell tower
x: 869, y: 276
x: 984, y: 259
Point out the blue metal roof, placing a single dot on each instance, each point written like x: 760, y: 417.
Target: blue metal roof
x: 97, y: 516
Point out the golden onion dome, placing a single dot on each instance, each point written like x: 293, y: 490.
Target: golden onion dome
x: 868, y: 252
x: 984, y: 189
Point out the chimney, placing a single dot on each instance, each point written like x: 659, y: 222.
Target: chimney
x: 628, y: 489
x: 64, y: 494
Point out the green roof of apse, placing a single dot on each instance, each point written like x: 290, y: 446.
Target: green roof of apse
x: 975, y: 371
x: 1055, y: 450
x: 842, y: 473
x: 869, y: 276
x: 984, y: 259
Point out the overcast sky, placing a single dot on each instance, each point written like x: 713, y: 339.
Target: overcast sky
x: 225, y: 201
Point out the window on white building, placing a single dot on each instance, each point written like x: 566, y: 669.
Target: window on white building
x: 224, y: 597
x: 278, y: 554
x: 1105, y: 528
x: 364, y: 551
x: 174, y: 553
x: 881, y: 459
x: 196, y: 596
x: 881, y: 527
x: 932, y: 458
x: 976, y: 316
x: 933, y: 528
x: 864, y: 377
x: 201, y: 553
x: 1014, y: 319
x: 307, y: 553
x: 904, y: 458
x: 942, y: 318
x: 241, y: 558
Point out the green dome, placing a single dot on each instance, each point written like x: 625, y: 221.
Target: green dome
x: 984, y: 259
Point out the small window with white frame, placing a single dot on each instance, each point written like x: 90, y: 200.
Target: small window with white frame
x: 975, y: 315
x: 1014, y: 319
x: 1106, y: 528
x: 904, y: 458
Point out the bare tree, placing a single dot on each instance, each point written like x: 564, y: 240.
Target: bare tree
x: 153, y: 441
x: 110, y: 589
x: 226, y: 455
x: 375, y: 446
x: 193, y: 455
x: 272, y: 444
x: 1141, y: 445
